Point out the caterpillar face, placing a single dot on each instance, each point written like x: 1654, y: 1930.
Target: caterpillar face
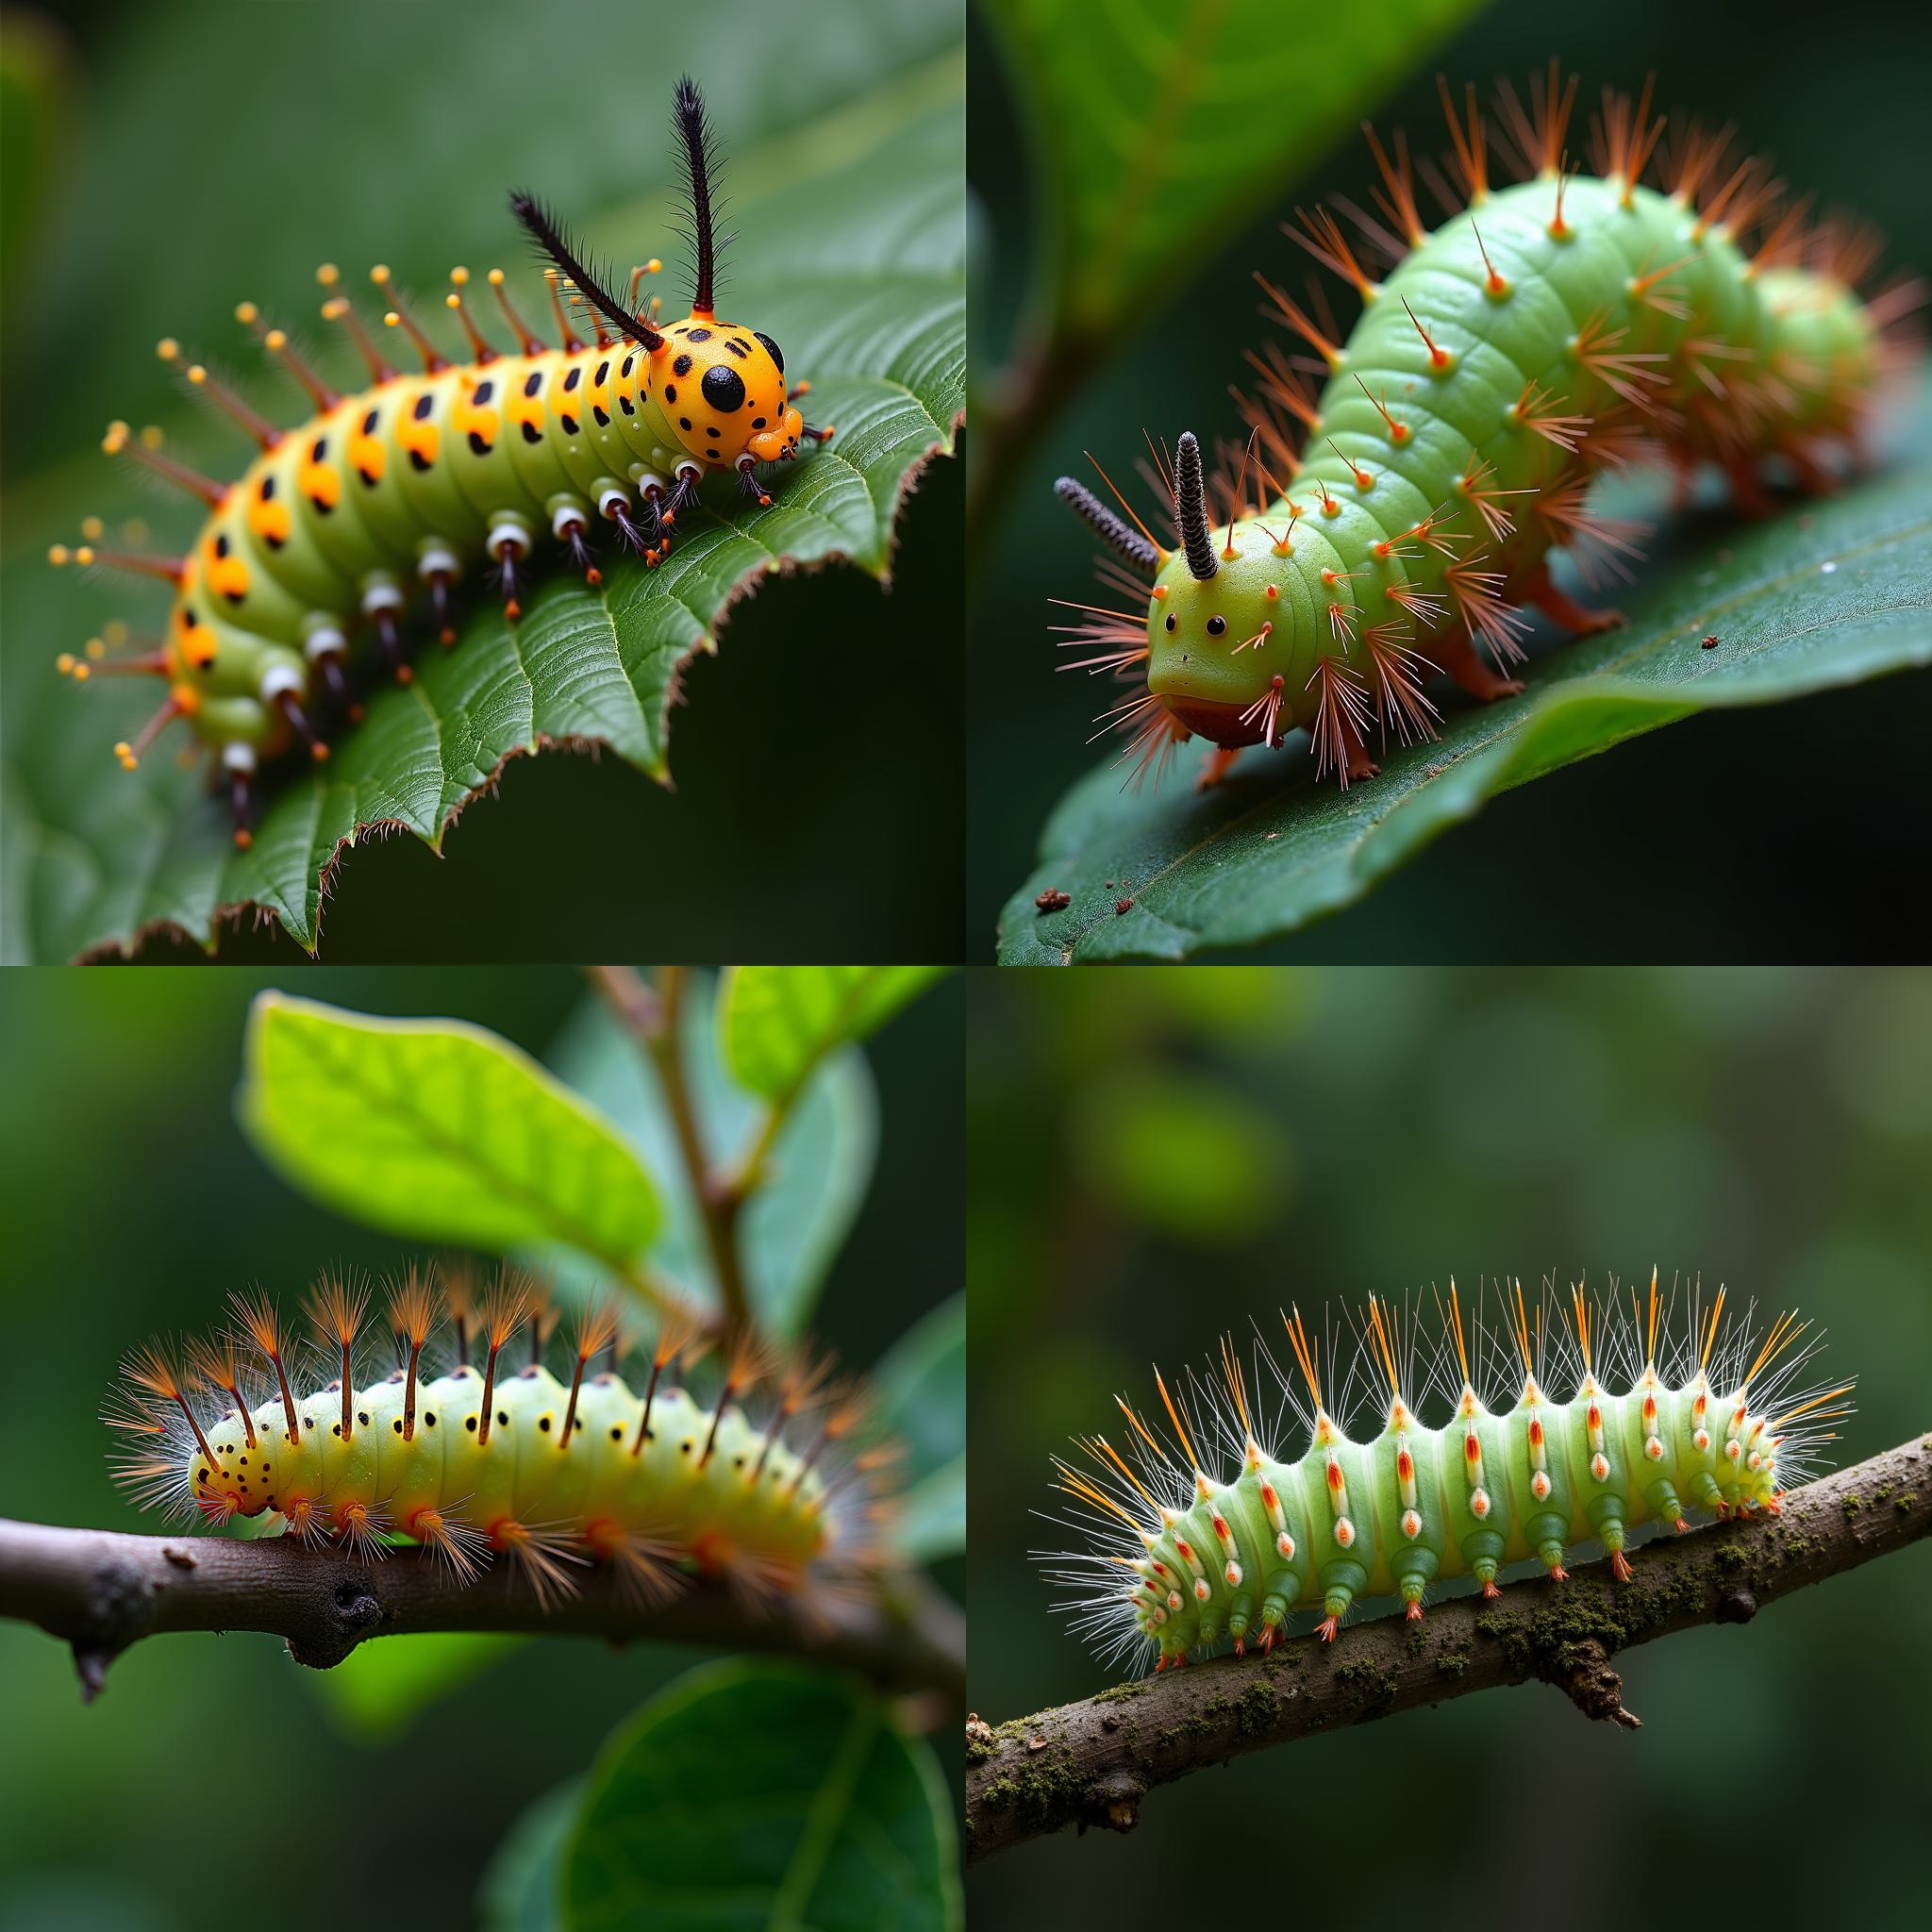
x: 1217, y: 646
x: 722, y: 389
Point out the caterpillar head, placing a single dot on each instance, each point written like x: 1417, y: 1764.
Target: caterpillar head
x: 722, y: 389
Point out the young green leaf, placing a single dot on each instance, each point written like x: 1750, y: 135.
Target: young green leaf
x: 815, y: 1179
x: 921, y: 1382
x: 779, y: 1020
x: 441, y: 1131
x: 796, y: 1802
x: 1838, y: 592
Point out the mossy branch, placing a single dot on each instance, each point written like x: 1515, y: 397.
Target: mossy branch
x: 1094, y: 1762
x: 101, y: 1591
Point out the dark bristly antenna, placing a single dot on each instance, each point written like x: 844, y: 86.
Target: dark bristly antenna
x: 582, y: 275
x: 700, y: 157
x: 1190, y: 506
x: 1130, y: 544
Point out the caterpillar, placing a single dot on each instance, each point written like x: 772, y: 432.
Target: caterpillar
x: 1179, y: 1559
x: 1402, y: 520
x: 470, y: 1446
x: 415, y: 473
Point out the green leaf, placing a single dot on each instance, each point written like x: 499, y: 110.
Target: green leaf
x: 440, y: 1131
x: 921, y: 1382
x: 1184, y: 1153
x: 1158, y: 127
x: 850, y: 250
x: 763, y: 1795
x: 780, y: 1021
x: 815, y: 1181
x: 521, y: 1890
x: 1838, y: 592
x: 378, y: 1691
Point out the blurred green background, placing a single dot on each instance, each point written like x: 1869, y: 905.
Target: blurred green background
x: 1163, y: 1154
x: 132, y: 1203
x: 165, y: 159
x: 1777, y: 832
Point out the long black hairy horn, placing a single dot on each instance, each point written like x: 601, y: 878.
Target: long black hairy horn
x: 548, y: 236
x: 699, y: 156
x: 1191, y: 508
x: 1125, y: 541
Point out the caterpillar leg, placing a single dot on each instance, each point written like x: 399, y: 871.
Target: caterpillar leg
x: 382, y: 604
x: 569, y: 526
x: 1218, y: 766
x: 237, y: 760
x: 282, y: 688
x: 439, y: 568
x: 1452, y: 650
x: 508, y: 543
x: 1748, y: 492
x: 1559, y: 607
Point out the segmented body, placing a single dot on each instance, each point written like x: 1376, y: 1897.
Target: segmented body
x: 1553, y: 328
x: 1416, y: 1506
x: 412, y: 479
x: 719, y: 1500
x: 1183, y: 1558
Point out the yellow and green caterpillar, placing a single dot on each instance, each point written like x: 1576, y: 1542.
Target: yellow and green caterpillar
x: 403, y: 482
x: 1181, y: 1558
x: 486, y: 1452
x: 1398, y: 522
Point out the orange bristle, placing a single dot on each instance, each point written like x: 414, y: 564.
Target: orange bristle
x: 217, y: 1364
x: 747, y: 1359
x: 411, y: 1315
x: 527, y: 343
x: 480, y: 349
x: 151, y: 1366
x: 505, y: 1309
x: 337, y: 1305
x: 596, y: 1329
x: 398, y: 316
x: 263, y: 1324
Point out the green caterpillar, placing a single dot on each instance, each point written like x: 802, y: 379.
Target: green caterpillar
x: 413, y: 476
x: 1180, y: 1558
x: 1550, y: 330
x: 494, y: 1454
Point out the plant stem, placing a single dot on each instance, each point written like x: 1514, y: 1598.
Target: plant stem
x: 101, y: 1591
x: 654, y: 1015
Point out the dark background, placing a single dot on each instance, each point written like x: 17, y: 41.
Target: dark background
x: 1155, y: 1157
x: 208, y: 150
x: 133, y: 1203
x: 1776, y: 833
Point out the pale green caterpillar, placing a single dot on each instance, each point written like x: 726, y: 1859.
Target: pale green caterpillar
x: 491, y: 1453
x: 1398, y: 522
x: 1181, y: 1558
x: 337, y: 520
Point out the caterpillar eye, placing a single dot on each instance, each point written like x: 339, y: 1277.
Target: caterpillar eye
x: 1169, y: 620
x: 1216, y: 626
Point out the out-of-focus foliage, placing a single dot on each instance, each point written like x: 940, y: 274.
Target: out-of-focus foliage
x: 1769, y: 1129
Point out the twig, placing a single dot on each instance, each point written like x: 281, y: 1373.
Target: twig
x: 1091, y: 1763
x: 100, y: 1591
x: 654, y: 1016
